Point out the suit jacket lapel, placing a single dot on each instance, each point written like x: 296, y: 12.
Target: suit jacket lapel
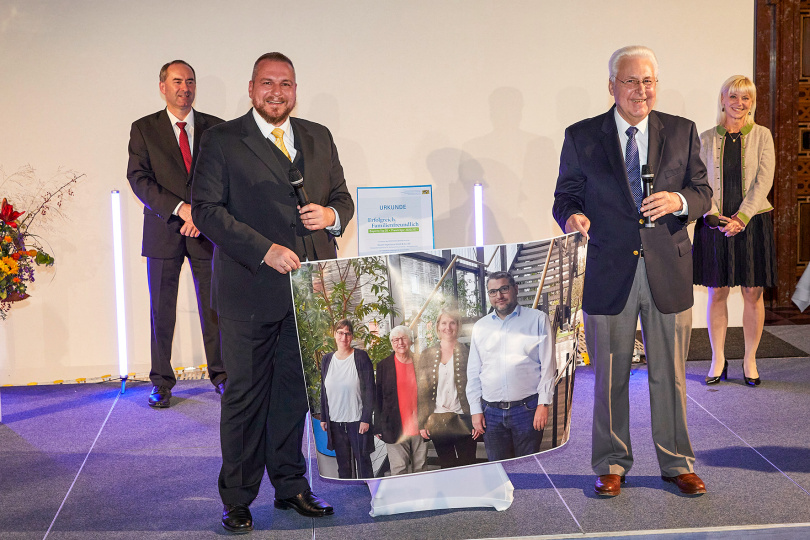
x: 304, y: 143
x: 613, y: 150
x: 200, y: 125
x: 655, y: 146
x: 168, y: 139
x: 259, y: 145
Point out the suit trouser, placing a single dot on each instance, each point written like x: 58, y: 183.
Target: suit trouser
x: 263, y: 410
x: 164, y: 281
x: 610, y: 340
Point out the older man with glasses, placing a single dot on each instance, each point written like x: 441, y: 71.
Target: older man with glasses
x: 510, y: 373
x: 639, y: 263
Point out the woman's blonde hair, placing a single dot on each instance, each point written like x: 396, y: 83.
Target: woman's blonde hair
x: 737, y: 84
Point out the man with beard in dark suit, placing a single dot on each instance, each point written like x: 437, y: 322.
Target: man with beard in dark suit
x: 244, y: 202
x: 634, y: 271
x: 162, y: 150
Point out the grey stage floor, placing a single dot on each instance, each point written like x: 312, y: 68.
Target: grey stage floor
x: 83, y: 461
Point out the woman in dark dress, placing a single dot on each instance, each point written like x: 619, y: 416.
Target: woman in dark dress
x: 734, y: 241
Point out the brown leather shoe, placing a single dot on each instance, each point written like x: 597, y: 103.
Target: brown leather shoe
x: 608, y: 485
x: 689, y: 484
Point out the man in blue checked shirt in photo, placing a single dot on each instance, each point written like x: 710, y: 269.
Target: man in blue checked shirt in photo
x: 510, y: 373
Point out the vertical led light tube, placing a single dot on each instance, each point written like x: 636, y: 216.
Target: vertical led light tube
x: 478, y: 193
x: 118, y: 255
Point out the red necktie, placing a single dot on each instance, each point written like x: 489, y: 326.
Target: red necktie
x: 185, y: 149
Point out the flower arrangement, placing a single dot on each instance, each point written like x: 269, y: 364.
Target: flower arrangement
x: 20, y: 248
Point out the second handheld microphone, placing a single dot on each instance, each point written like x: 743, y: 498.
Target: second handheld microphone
x: 647, y: 178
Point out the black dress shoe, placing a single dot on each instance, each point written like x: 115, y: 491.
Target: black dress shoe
x: 160, y: 397
x: 307, y: 504
x: 236, y: 518
x: 219, y: 388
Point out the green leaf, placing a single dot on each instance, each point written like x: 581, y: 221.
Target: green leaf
x: 43, y: 258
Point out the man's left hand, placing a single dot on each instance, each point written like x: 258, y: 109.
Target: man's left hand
x: 316, y: 217
x: 540, y: 417
x: 363, y: 427
x: 660, y: 204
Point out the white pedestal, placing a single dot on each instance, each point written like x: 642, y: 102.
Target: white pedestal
x: 484, y: 485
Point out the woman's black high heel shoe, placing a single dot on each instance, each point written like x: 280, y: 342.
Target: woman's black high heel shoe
x: 723, y: 375
x: 750, y: 381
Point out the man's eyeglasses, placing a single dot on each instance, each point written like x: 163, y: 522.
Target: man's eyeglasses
x: 633, y: 83
x: 502, y: 290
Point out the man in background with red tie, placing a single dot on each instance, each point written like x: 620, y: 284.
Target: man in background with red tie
x: 162, y: 151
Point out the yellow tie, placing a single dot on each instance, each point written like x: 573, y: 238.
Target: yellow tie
x: 278, y: 133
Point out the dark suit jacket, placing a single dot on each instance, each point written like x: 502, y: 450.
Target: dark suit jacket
x: 427, y: 376
x: 159, y: 179
x: 593, y: 180
x: 365, y: 372
x: 242, y: 200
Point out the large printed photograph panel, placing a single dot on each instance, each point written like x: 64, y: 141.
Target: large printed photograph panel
x: 387, y: 341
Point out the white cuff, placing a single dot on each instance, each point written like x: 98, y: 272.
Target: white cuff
x: 683, y: 211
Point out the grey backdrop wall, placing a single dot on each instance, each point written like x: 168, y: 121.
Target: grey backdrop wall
x: 446, y: 93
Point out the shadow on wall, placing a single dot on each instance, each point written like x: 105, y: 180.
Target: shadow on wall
x: 324, y: 109
x: 517, y: 171
x: 456, y: 226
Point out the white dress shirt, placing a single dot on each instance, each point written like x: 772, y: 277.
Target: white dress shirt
x: 511, y: 359
x: 267, y: 130
x: 189, y: 120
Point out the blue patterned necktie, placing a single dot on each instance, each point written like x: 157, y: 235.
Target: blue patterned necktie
x: 631, y: 161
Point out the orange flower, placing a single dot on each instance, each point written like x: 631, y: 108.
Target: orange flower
x: 31, y: 253
x: 7, y: 239
x: 16, y: 280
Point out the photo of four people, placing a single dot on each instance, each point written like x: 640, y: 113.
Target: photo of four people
x: 432, y: 360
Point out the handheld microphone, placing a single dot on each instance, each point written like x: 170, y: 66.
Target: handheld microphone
x: 711, y: 221
x: 647, y: 178
x: 297, y: 182
x: 714, y: 221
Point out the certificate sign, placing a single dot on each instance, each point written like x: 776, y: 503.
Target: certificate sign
x: 394, y: 219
